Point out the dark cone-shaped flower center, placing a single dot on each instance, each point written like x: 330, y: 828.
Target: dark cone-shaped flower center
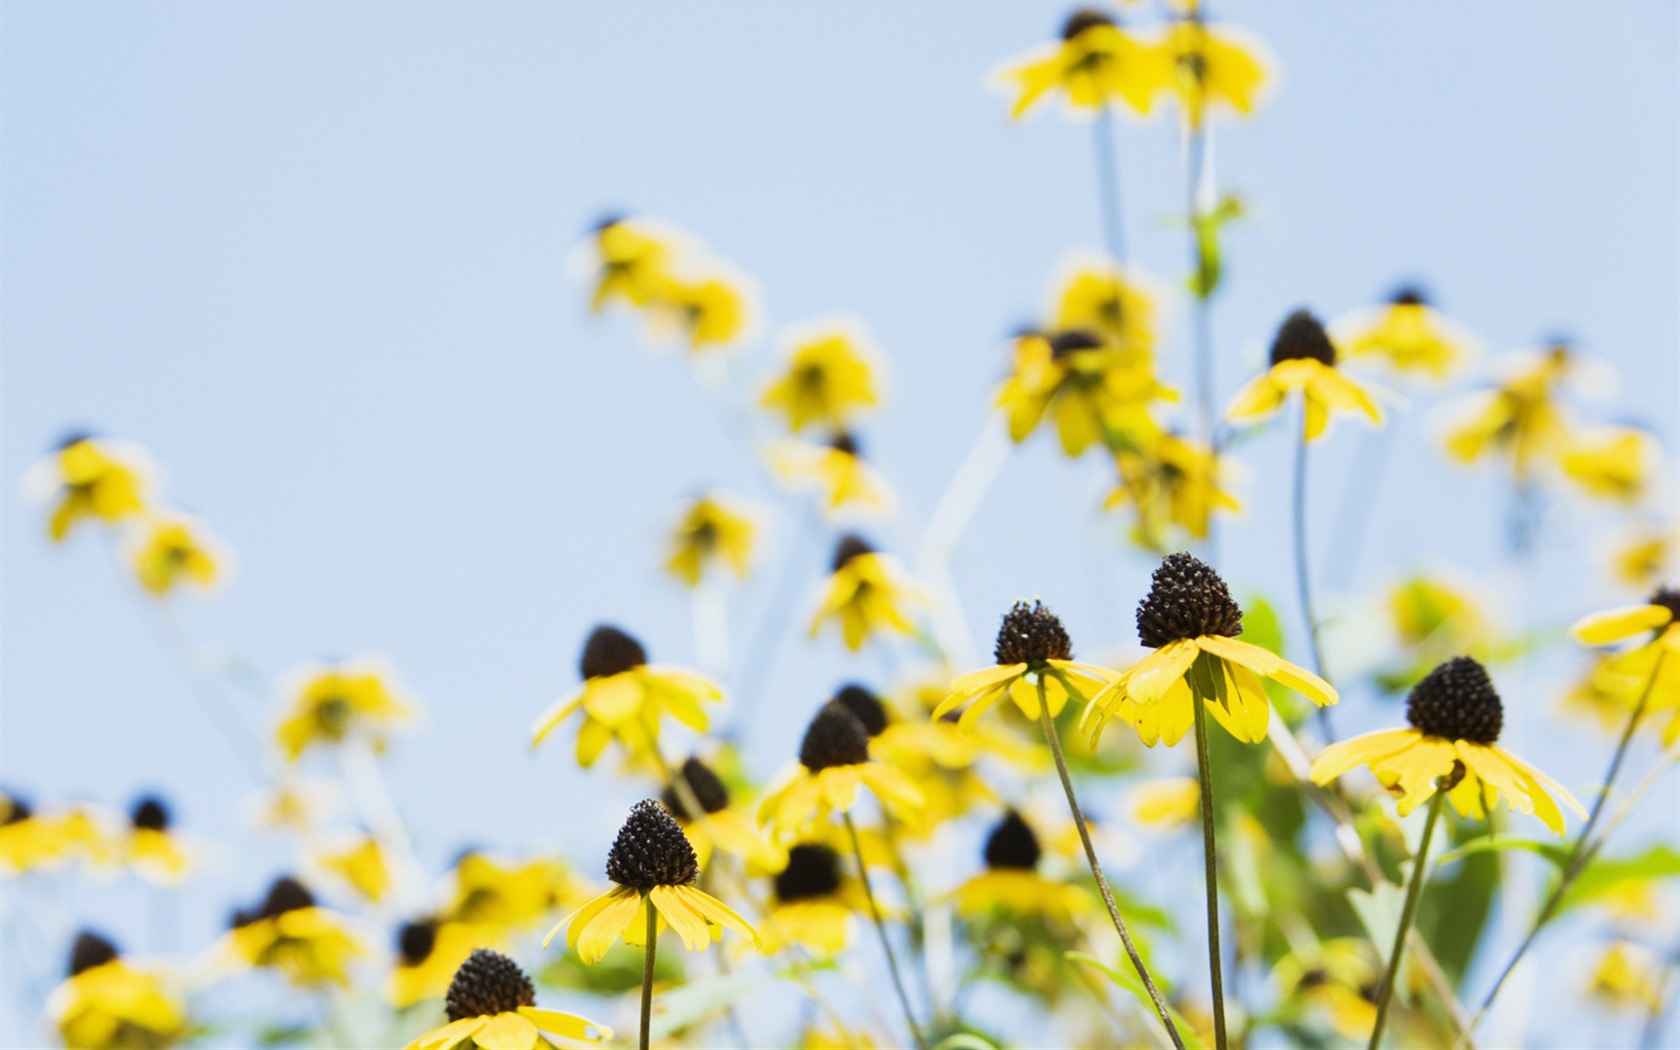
x: 865, y: 705
x: 1031, y: 634
x: 1457, y: 701
x: 834, y: 738
x: 286, y: 894
x: 707, y: 787
x: 1303, y: 336
x: 1186, y: 599
x: 90, y: 950
x: 1668, y: 598
x: 610, y: 651
x: 415, y: 941
x: 17, y: 812
x: 1083, y: 19
x: 1409, y: 295
x: 844, y: 442
x: 812, y: 871
x: 1074, y: 340
x: 651, y: 850
x: 850, y: 546
x: 487, y: 984
x: 1012, y: 844
x: 150, y: 813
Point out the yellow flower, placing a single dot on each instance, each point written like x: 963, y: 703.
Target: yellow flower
x: 172, y: 550
x: 1174, y: 479
x: 330, y: 704
x: 1214, y: 66
x: 1628, y: 976
x: 89, y: 478
x: 814, y: 902
x: 1407, y: 333
x: 833, y: 765
x: 652, y: 865
x: 152, y: 848
x: 1520, y: 418
x: 944, y: 760
x: 428, y: 954
x: 1304, y: 360
x: 829, y: 376
x: 492, y: 1005
x: 362, y: 865
x: 1604, y: 694
x: 1338, y: 978
x: 1646, y: 555
x: 310, y: 945
x: 1655, y: 663
x: 867, y: 591
x: 721, y: 824
x: 1093, y: 390
x: 1452, y: 746
x: 632, y: 262
x: 1095, y: 64
x: 1166, y: 803
x: 1430, y: 612
x: 836, y: 471
x: 1614, y: 463
x: 626, y: 698
x: 1191, y: 621
x: 1098, y: 294
x: 27, y: 840
x: 713, y: 530
x: 1034, y: 655
x: 1012, y: 884
x: 497, y: 894
x: 714, y: 310
x: 106, y: 1004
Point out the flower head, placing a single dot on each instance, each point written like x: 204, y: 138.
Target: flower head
x: 1214, y: 66
x: 710, y: 532
x: 843, y: 481
x: 828, y: 378
x: 288, y: 932
x: 498, y: 895
x: 107, y: 1004
x: 428, y: 953
x: 1304, y: 359
x: 1034, y: 656
x: 1174, y: 480
x: 152, y: 847
x: 834, y: 762
x: 88, y: 478
x: 1407, y: 333
x: 814, y: 902
x: 1095, y: 392
x: 330, y: 704
x: 1612, y: 463
x: 633, y: 260
x: 1095, y: 64
x: 866, y: 592
x: 715, y: 309
x: 492, y: 1004
x: 173, y: 550
x: 1521, y: 418
x: 1012, y: 884
x: 1652, y: 666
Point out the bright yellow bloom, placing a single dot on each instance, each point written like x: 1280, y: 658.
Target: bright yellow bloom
x: 713, y: 530
x: 1034, y: 658
x: 829, y: 377
x: 1628, y: 976
x: 1304, y: 361
x: 106, y: 1004
x: 288, y: 932
x: 633, y: 259
x: 715, y: 310
x: 31, y: 841
x: 1093, y: 390
x: 1520, y: 418
x: 623, y: 697
x: 152, y: 848
x: 497, y: 894
x: 1012, y: 885
x: 428, y: 954
x: 1337, y: 978
x: 172, y: 550
x: 944, y: 760
x: 866, y: 592
x: 833, y: 765
x: 723, y: 823
x: 1172, y: 479
x: 836, y: 471
x: 89, y: 478
x: 1095, y: 64
x: 1646, y: 555
x: 1603, y: 694
x: 492, y: 1006
x: 330, y: 704
x: 1614, y: 463
x: 1214, y: 66
x: 814, y: 902
x: 1431, y: 612
x: 1099, y: 295
x: 1655, y: 663
x: 1407, y: 333
x: 361, y: 864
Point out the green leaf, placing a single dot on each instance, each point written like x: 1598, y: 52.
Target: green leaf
x: 1130, y: 983
x: 1456, y: 904
x: 1490, y: 843
x: 1602, y: 877
x: 964, y: 1041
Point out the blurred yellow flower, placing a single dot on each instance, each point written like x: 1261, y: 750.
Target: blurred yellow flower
x: 1214, y: 67
x: 1095, y: 64
x: 722, y: 823
x: 828, y: 377
x: 106, y: 1004
x: 310, y: 945
x: 1603, y: 694
x: 1097, y: 294
x: 1304, y: 361
x: 330, y: 704
x: 361, y: 865
x: 1628, y: 976
x: 632, y: 262
x: 1407, y: 333
x: 491, y: 1005
x: 497, y: 894
x: 835, y: 471
x: 1012, y: 885
x: 715, y: 310
x: 1034, y: 658
x: 1613, y: 463
x: 1093, y: 390
x: 172, y: 550
x: 1337, y: 978
x: 1172, y: 479
x: 813, y: 903
x: 866, y: 592
x: 1520, y: 418
x: 33, y: 841
x: 944, y: 759
x: 89, y: 478
x: 1646, y: 555
x: 834, y: 763
x: 153, y: 849
x: 1655, y: 662
x: 713, y: 530
x: 428, y: 954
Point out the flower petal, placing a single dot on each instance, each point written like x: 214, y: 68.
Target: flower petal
x: 1364, y: 750
x: 1615, y: 624
x: 567, y: 1026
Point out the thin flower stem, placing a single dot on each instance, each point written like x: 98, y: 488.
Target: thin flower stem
x: 772, y: 624
x: 1414, y: 892
x: 649, y: 950
x: 1055, y: 743
x: 881, y: 928
x: 1303, y: 569
x: 1108, y: 183
x: 1210, y: 861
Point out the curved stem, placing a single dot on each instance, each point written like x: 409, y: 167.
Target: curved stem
x: 1303, y: 570
x: 1414, y: 892
x: 1055, y: 743
x: 881, y: 928
x: 649, y: 949
x: 1210, y: 861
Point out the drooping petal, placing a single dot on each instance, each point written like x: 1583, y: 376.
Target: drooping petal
x: 717, y: 912
x: 592, y: 939
x: 506, y: 1031
x: 567, y: 1026
x: 1150, y: 679
x: 689, y: 924
x: 1364, y: 750
x: 1614, y: 625
x: 449, y: 1036
x: 554, y: 715
x: 1257, y: 400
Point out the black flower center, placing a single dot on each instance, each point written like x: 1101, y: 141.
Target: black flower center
x: 812, y: 870
x: 1012, y: 844
x: 415, y: 941
x: 1083, y: 19
x: 1186, y: 599
x: 1074, y: 340
x: 844, y: 442
x: 1409, y: 295
x: 1668, y: 598
x: 150, y: 813
x: 865, y: 705
x: 17, y: 811
x: 90, y: 950
x: 850, y: 546
x: 707, y: 787
x: 1031, y: 634
x: 610, y: 651
x: 487, y: 984
x: 1302, y: 336
x: 651, y: 850
x: 1456, y: 701
x: 834, y: 738
x: 286, y: 894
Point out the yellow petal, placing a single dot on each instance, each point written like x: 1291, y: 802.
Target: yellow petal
x: 690, y: 925
x: 1616, y: 624
x: 1340, y: 757
x: 567, y: 1026
x: 554, y: 715
x: 507, y: 1031
x: 1151, y: 678
x: 450, y: 1035
x: 1260, y: 398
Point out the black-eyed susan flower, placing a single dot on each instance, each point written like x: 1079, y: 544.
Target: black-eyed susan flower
x: 491, y: 1005
x: 1191, y: 622
x: 504, y: 895
x: 837, y: 472
x: 32, y: 840
x: 153, y: 847
x: 712, y: 531
x: 1094, y: 391
x: 89, y: 479
x: 1095, y: 64
x: 1172, y: 479
x: 1335, y: 980
x: 428, y: 952
x: 170, y: 551
x: 1521, y: 418
x: 1214, y: 66
x: 813, y: 903
x: 828, y: 377
x: 1655, y: 662
x: 288, y: 932
x: 1012, y: 884
x: 1303, y: 360
x: 1098, y: 294
x: 632, y: 261
x: 715, y: 309
x: 720, y: 825
x: 834, y: 763
x: 866, y: 592
x: 1628, y: 976
x: 625, y: 698
x: 1611, y: 463
x: 1407, y: 333
x: 651, y: 865
x: 1034, y: 658
x: 107, y: 1004
x: 329, y: 704
x: 1452, y: 746
x: 360, y: 864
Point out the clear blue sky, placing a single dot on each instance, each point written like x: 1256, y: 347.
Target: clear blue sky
x: 312, y: 256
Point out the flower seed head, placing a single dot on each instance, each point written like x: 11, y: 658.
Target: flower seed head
x: 845, y: 442
x: 865, y: 705
x: 707, y: 787
x: 1083, y: 19
x: 850, y: 546
x: 651, y: 850
x: 415, y: 941
x: 1303, y: 336
x: 151, y: 814
x: 834, y: 738
x: 1012, y: 844
x: 1031, y: 634
x: 1456, y: 701
x: 18, y: 810
x: 610, y: 651
x: 1074, y: 340
x: 90, y: 950
x: 813, y: 870
x: 487, y: 984
x: 1669, y: 598
x: 1186, y: 599
x: 286, y: 894
x: 1409, y: 295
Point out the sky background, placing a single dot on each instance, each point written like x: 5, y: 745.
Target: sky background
x: 314, y: 258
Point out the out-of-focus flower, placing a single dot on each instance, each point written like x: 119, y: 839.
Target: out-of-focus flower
x: 89, y: 478
x: 866, y: 592
x: 722, y: 824
x: 1304, y: 360
x: 1613, y: 463
x: 329, y: 704
x: 943, y: 759
x: 1034, y: 656
x: 1407, y: 333
x: 428, y: 954
x: 1646, y: 555
x: 1166, y: 803
x: 491, y: 1005
x: 1095, y: 64
x: 1603, y: 694
x: 1627, y: 976
x: 834, y: 762
x: 1452, y: 746
x: 1172, y: 479
x: 814, y: 902
x: 1191, y: 622
x: 711, y: 311
x: 497, y: 894
x: 1214, y: 67
x: 1520, y: 418
x: 633, y: 259
x: 815, y: 1038
x: 106, y: 1004
x: 1337, y: 978
x: 1012, y: 884
x: 1098, y: 294
x: 1429, y: 612
x: 828, y: 377
x: 1655, y: 663
x: 836, y: 471
x: 153, y: 848
x: 173, y: 550
x: 1093, y: 390
x: 292, y: 803
x: 32, y: 841
x: 712, y: 531
x: 312, y: 946
x: 361, y: 865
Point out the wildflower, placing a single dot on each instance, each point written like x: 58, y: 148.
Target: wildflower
x: 1214, y: 66
x: 1304, y: 360
x: 867, y: 591
x: 814, y: 903
x: 1095, y: 64
x: 720, y: 825
x: 27, y: 840
x: 89, y: 478
x: 1337, y: 978
x: 1432, y: 612
x: 361, y: 864
x: 1172, y: 479
x: 1452, y: 746
x: 492, y: 1004
x: 331, y: 704
x: 1604, y: 694
x: 152, y: 846
x: 1656, y: 661
x: 1034, y: 655
x: 1166, y: 803
x: 652, y: 865
x: 943, y: 760
x: 172, y: 550
x: 496, y: 894
x: 1093, y: 390
x: 429, y: 952
x: 1012, y: 884
x: 288, y: 932
x: 1407, y: 333
x: 633, y: 261
x: 714, y: 310
x: 1191, y: 621
x: 836, y: 471
x: 1521, y: 417
x: 712, y: 531
x: 624, y: 697
x: 1628, y: 976
x: 1101, y: 296
x: 833, y: 764
x: 828, y: 378
x: 1646, y: 555
x: 1614, y: 463
x: 106, y: 1004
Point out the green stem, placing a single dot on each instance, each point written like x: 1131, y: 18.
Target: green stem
x: 1210, y: 861
x: 1414, y: 891
x: 1303, y: 570
x: 881, y: 928
x: 1055, y: 743
x: 649, y: 949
